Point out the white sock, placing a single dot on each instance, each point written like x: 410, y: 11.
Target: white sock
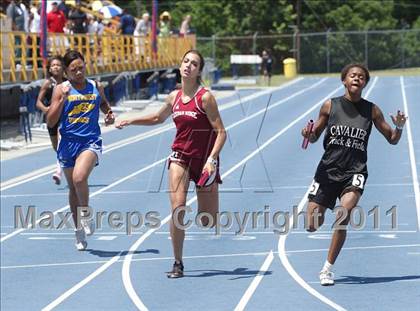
x: 327, y: 266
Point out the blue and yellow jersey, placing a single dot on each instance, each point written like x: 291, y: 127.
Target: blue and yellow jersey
x: 80, y: 115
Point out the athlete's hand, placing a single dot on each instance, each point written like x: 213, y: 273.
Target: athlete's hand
x: 210, y: 168
x: 122, y: 124
x: 399, y: 119
x: 109, y: 118
x: 305, y: 132
x: 65, y: 88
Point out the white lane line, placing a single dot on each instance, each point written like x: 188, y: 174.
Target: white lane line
x: 255, y: 282
x: 299, y: 251
x: 413, y: 162
x: 12, y: 234
x: 161, y: 160
x: 16, y: 181
x: 128, y: 258
x: 282, y: 249
x: 221, y: 190
x: 79, y: 285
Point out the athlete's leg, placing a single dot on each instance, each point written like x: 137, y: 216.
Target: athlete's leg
x: 208, y: 202
x: 348, y: 201
x: 85, y: 162
x: 315, y: 216
x: 178, y: 188
x: 73, y: 200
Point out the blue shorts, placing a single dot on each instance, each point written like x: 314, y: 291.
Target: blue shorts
x: 69, y: 149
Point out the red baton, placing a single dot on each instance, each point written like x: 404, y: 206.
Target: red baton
x: 309, y: 128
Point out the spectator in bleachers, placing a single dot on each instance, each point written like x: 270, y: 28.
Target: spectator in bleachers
x: 127, y: 23
x: 16, y: 15
x: 185, y: 26
x: 64, y: 8
x: 165, y: 24
x: 56, y: 20
x: 142, y: 29
x: 79, y: 19
x: 143, y: 26
x: 34, y: 28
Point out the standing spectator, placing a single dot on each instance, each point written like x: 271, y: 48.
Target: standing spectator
x: 16, y: 15
x: 80, y: 22
x: 185, y: 26
x: 143, y: 26
x: 142, y: 29
x: 55, y: 19
x: 34, y: 28
x: 267, y: 66
x: 64, y: 8
x: 55, y: 24
x: 127, y: 23
x: 165, y: 24
x: 79, y: 19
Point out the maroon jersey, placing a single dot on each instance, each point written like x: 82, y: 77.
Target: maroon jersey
x: 195, y: 136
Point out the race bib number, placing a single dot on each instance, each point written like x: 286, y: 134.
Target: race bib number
x: 314, y: 188
x: 358, y: 181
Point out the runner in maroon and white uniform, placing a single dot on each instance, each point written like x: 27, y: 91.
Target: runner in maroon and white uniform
x: 199, y: 139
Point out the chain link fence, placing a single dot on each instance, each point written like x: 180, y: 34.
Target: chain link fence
x: 319, y: 52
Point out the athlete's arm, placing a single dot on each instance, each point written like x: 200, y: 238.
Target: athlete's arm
x: 41, y: 96
x: 105, y: 106
x: 320, y: 124
x: 154, y: 118
x: 391, y: 135
x: 58, y: 98
x: 213, y: 115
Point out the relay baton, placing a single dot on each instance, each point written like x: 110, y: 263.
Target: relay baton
x: 309, y: 128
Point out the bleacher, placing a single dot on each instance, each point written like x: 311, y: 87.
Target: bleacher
x: 124, y: 63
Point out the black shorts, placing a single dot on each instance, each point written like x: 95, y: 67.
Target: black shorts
x: 327, y: 193
x: 53, y: 130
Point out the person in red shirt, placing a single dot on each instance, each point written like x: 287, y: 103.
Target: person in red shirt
x: 56, y: 20
x: 199, y: 139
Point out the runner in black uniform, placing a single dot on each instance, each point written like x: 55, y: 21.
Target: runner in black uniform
x: 55, y: 73
x: 342, y: 171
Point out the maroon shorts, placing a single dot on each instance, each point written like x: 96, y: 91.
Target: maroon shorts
x: 195, y: 166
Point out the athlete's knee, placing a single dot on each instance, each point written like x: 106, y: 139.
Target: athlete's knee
x: 79, y: 180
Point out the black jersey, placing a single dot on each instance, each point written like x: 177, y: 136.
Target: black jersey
x: 346, y: 140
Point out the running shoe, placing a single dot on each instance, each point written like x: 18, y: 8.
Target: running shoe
x: 88, y: 225
x: 326, y: 278
x: 81, y: 243
x: 177, y: 271
x: 57, y: 178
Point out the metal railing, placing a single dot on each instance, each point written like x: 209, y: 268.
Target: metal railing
x: 109, y: 53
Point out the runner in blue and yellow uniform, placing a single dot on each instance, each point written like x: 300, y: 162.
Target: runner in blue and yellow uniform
x: 75, y: 105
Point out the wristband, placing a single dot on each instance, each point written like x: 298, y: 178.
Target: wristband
x: 212, y: 161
